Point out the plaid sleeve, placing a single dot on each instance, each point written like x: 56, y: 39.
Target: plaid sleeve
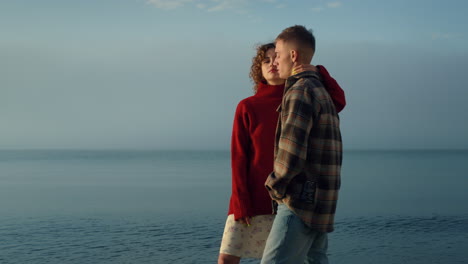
x: 296, y: 123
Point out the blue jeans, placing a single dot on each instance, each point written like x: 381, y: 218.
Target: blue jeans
x: 292, y: 242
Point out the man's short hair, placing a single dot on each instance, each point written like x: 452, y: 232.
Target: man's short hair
x: 298, y: 35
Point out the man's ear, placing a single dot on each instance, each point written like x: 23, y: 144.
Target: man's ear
x: 294, y: 56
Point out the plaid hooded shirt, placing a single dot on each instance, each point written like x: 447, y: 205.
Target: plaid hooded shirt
x: 308, y: 152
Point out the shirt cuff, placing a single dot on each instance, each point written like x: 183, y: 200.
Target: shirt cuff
x: 276, y: 187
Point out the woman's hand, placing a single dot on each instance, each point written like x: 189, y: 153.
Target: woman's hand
x: 302, y: 68
x: 245, y: 220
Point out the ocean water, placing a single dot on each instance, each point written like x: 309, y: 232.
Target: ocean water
x: 170, y: 207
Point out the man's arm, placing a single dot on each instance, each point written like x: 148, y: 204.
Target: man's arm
x: 297, y: 120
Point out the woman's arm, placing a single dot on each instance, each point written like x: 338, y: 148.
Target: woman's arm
x: 333, y: 88
x: 240, y: 157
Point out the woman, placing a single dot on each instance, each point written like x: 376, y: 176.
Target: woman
x: 250, y: 213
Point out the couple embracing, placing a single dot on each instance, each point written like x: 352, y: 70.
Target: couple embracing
x: 286, y: 155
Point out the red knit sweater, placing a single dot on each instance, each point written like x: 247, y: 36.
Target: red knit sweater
x: 252, y: 145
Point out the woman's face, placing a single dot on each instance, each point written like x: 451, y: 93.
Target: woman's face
x: 269, y: 71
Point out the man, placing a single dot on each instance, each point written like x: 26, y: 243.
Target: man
x: 308, y: 154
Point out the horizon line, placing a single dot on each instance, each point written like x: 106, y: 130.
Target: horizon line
x: 216, y: 149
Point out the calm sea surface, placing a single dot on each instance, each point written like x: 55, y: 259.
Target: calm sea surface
x: 170, y: 207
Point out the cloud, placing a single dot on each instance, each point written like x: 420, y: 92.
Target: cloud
x: 334, y: 4
x: 237, y: 5
x: 329, y: 5
x: 240, y: 6
x: 224, y: 5
x: 168, y: 4
x: 438, y: 35
x: 210, y: 6
x: 317, y: 9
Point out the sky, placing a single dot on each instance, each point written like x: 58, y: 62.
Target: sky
x: 159, y: 74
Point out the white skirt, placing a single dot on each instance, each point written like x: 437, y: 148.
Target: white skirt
x: 246, y: 241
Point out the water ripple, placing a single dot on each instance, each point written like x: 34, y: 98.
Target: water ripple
x: 397, y: 239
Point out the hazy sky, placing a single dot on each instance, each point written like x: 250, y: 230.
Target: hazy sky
x: 160, y: 74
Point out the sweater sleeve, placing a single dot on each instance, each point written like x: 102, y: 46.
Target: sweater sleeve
x: 240, y: 144
x: 336, y: 93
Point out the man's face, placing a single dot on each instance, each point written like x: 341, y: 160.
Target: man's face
x: 283, y: 60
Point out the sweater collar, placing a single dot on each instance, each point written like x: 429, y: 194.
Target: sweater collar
x: 267, y: 90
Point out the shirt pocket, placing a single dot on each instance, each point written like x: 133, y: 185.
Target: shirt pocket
x: 282, y: 115
x: 279, y: 110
